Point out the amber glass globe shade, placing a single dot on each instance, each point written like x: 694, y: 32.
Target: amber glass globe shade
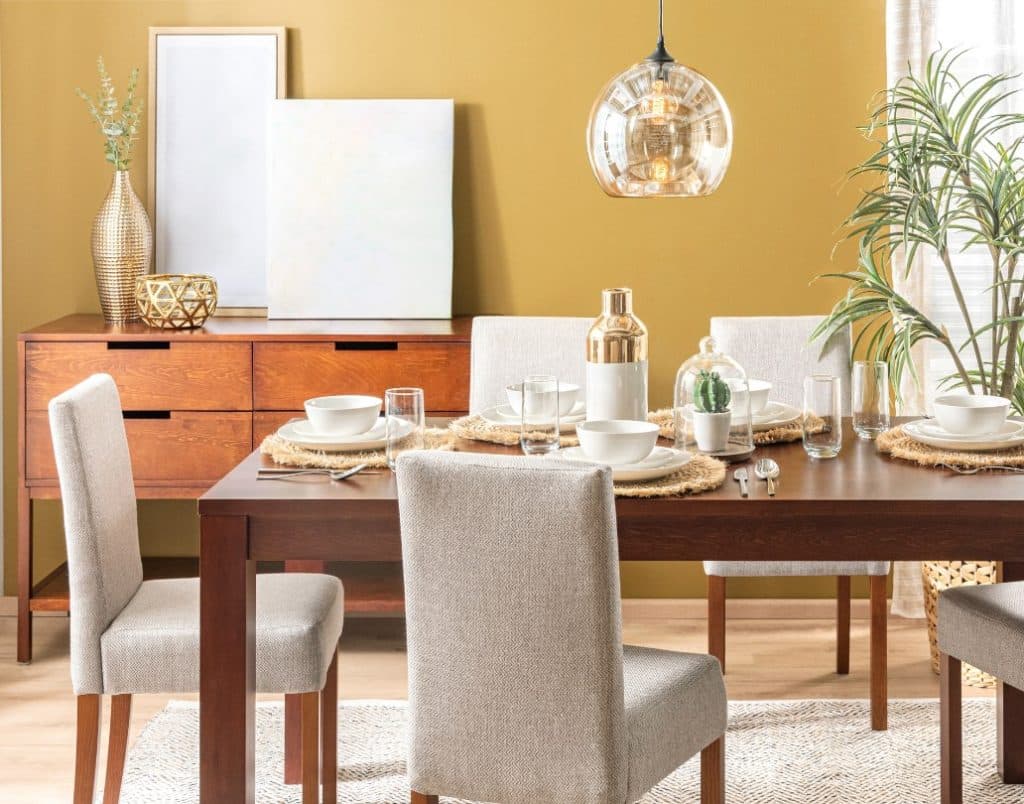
x: 659, y: 129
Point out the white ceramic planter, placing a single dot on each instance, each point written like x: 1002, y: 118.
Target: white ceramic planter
x: 711, y: 430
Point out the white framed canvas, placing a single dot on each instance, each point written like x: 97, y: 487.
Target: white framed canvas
x: 209, y: 94
x: 360, y: 209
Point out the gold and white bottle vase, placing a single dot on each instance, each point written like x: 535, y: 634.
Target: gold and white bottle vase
x: 617, y: 361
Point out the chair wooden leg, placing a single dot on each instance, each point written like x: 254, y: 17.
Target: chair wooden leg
x: 716, y: 618
x: 952, y: 730
x: 310, y: 705
x: 421, y: 798
x: 120, y: 720
x: 712, y: 773
x: 843, y: 625
x: 87, y: 743
x: 329, y: 734
x: 879, y: 654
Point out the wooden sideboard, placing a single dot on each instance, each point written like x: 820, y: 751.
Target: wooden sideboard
x: 196, y: 403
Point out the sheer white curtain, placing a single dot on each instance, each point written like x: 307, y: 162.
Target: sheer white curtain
x: 992, y: 31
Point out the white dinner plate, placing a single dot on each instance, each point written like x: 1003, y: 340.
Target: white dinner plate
x: 662, y: 461
x: 923, y: 430
x: 775, y: 414
x: 493, y: 416
x: 931, y: 427
x: 300, y: 434
x: 577, y: 413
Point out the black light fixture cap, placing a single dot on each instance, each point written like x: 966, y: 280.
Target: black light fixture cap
x: 660, y: 54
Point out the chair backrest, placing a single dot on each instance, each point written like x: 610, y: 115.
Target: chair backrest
x: 100, y: 522
x: 778, y: 349
x: 506, y: 348
x: 514, y: 628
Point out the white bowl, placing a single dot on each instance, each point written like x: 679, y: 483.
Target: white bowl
x: 759, y: 393
x: 343, y: 415
x: 567, y: 396
x: 617, y: 441
x: 964, y: 414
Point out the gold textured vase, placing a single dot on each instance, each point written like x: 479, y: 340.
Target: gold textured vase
x: 122, y: 248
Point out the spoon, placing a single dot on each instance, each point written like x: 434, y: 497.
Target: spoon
x: 767, y: 469
x: 740, y: 475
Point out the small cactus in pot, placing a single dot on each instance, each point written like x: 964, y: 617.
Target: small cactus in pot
x: 711, y: 415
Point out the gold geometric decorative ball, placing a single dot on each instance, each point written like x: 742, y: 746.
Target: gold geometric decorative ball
x: 176, y: 301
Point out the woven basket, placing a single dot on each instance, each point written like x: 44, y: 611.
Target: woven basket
x: 176, y: 301
x: 940, y: 575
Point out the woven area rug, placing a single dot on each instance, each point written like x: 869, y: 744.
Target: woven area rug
x: 784, y: 752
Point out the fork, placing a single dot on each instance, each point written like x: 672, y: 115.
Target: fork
x: 961, y: 471
x: 288, y: 474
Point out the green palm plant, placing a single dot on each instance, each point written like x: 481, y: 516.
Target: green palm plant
x: 948, y: 168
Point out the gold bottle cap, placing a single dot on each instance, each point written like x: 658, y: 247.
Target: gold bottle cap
x: 617, y: 336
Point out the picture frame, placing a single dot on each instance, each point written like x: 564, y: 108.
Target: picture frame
x: 209, y: 89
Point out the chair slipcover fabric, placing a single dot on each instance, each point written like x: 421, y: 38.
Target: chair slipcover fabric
x: 153, y: 645
x: 100, y: 525
x: 519, y: 690
x: 504, y: 349
x: 779, y: 349
x: 134, y: 636
x: 984, y: 626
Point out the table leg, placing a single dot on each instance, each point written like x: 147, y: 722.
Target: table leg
x: 227, y: 662
x: 1010, y: 709
x: 24, y: 576
x: 293, y: 703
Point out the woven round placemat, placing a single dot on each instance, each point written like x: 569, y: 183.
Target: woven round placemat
x: 701, y: 473
x: 665, y: 419
x: 897, y: 443
x: 288, y: 454
x: 477, y: 428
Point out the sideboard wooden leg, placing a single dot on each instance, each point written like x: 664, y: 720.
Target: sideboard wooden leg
x: 24, y: 576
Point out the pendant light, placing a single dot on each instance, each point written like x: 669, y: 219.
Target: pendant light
x: 659, y: 129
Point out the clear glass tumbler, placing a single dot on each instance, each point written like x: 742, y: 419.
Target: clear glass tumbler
x: 539, y: 433
x: 404, y: 421
x: 871, y: 398
x: 823, y: 416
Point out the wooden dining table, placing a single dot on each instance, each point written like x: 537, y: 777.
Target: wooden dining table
x: 860, y: 506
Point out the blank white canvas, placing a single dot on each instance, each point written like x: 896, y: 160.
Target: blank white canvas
x: 360, y: 209
x: 213, y: 94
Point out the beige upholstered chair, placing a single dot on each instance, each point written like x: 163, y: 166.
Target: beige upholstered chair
x: 505, y: 349
x: 983, y: 626
x: 779, y: 349
x: 133, y: 636
x: 520, y: 690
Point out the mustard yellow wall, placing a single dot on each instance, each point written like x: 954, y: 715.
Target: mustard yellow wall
x: 533, y: 233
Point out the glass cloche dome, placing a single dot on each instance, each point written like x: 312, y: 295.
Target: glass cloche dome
x: 712, y: 405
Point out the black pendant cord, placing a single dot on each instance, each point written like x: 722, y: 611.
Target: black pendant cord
x: 660, y: 54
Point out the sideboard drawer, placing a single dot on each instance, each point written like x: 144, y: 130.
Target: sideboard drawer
x: 150, y: 375
x: 287, y: 374
x: 182, y: 447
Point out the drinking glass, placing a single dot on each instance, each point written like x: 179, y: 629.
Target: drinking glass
x: 404, y: 421
x: 871, y: 398
x: 822, y: 409
x: 539, y: 432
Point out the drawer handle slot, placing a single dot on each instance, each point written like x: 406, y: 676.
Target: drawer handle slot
x: 146, y: 414
x: 138, y: 344
x: 365, y: 346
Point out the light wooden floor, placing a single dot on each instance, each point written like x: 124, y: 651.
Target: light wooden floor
x: 768, y: 659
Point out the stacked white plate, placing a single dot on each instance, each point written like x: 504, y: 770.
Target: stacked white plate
x: 775, y: 414
x: 928, y: 431
x: 301, y: 433
x: 505, y: 416
x: 662, y: 461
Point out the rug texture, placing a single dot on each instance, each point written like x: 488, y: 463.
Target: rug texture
x: 784, y: 752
